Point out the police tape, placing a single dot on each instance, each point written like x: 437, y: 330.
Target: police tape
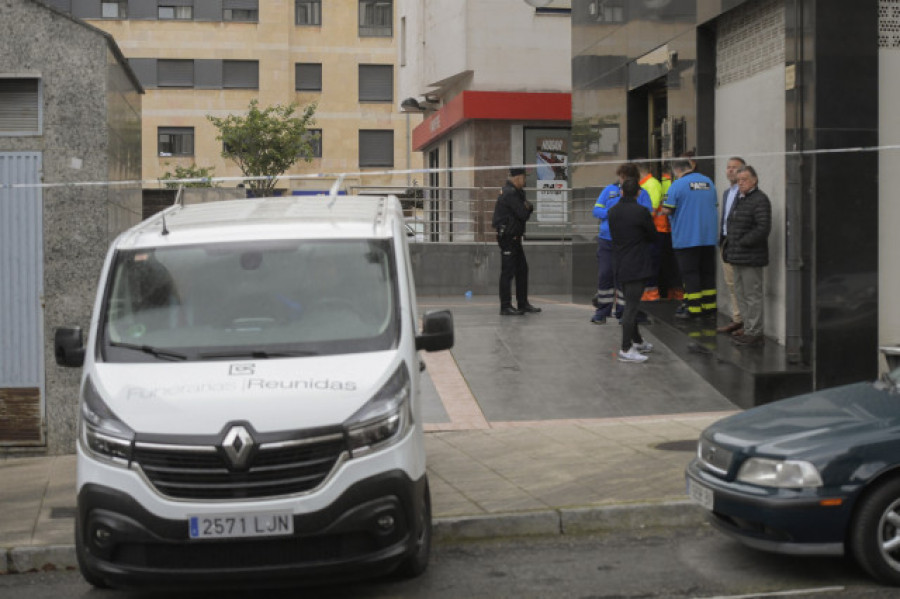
x: 343, y: 176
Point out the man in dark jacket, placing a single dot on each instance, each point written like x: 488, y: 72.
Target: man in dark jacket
x: 510, y: 214
x: 746, y: 248
x: 633, y: 234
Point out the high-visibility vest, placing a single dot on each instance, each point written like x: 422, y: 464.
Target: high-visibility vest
x: 661, y: 220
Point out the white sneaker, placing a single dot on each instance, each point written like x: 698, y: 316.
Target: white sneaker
x: 645, y: 348
x: 632, y: 355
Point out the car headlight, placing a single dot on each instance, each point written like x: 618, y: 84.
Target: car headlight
x: 102, y: 433
x: 788, y: 474
x: 385, y: 419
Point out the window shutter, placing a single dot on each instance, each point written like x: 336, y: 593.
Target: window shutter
x: 20, y: 106
x: 376, y: 83
x: 208, y: 74
x: 145, y: 70
x: 308, y: 76
x: 376, y: 148
x: 240, y: 74
x: 175, y: 73
x: 241, y: 4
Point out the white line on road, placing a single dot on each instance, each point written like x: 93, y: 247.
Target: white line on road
x: 794, y: 593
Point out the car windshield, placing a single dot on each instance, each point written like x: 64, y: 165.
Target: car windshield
x: 251, y: 299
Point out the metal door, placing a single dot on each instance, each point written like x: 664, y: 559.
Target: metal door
x: 21, y: 290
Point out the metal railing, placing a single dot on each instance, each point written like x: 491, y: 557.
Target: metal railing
x: 463, y: 214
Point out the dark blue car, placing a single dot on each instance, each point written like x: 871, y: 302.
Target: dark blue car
x: 817, y: 474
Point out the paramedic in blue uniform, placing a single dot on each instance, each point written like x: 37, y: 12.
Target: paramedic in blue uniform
x: 692, y: 207
x: 607, y: 293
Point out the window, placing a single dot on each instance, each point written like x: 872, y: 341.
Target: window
x: 376, y: 18
x: 20, y: 106
x: 376, y: 83
x: 308, y: 76
x: 113, y: 10
x: 176, y: 141
x: 175, y: 73
x: 240, y: 74
x: 314, y: 137
x: 240, y: 14
x: 376, y: 147
x: 308, y: 12
x: 176, y: 12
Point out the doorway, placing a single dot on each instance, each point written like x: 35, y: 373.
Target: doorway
x: 649, y: 127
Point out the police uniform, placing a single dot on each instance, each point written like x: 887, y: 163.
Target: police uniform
x: 695, y: 223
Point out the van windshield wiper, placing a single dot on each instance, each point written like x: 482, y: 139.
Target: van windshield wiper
x: 257, y: 354
x: 153, y: 351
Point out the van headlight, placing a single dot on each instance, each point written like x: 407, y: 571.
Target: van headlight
x: 385, y: 419
x: 787, y: 474
x: 102, y: 433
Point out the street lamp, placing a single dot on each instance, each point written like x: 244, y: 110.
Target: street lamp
x: 407, y: 106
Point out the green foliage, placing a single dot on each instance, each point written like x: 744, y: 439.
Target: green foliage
x: 189, y: 172
x: 267, y: 142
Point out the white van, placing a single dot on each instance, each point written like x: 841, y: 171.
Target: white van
x: 250, y: 397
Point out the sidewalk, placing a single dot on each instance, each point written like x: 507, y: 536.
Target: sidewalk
x: 495, y: 469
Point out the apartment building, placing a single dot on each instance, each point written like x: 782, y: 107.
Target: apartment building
x: 211, y: 57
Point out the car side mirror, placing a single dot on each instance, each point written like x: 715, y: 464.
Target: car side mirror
x: 437, y: 331
x: 68, y: 346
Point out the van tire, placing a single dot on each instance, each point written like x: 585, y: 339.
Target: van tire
x: 91, y: 577
x: 417, y: 561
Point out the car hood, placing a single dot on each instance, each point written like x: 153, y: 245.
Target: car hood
x: 808, y: 425
x: 194, y: 398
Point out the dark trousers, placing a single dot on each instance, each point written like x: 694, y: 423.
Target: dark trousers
x: 698, y: 272
x: 633, y: 290
x: 669, y: 277
x: 513, y: 266
x: 609, y: 297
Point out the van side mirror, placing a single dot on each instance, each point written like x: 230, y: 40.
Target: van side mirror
x: 437, y: 331
x: 68, y: 346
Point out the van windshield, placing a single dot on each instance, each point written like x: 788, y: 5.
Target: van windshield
x: 251, y: 299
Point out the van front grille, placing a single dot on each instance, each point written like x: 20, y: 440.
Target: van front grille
x: 204, y: 471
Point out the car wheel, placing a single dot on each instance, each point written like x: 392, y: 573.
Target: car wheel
x: 417, y: 561
x: 875, y: 532
x: 92, y: 578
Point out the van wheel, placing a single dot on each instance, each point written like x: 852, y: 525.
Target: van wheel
x: 875, y: 532
x: 417, y: 561
x: 91, y: 577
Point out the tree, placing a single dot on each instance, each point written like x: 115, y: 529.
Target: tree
x: 188, y: 172
x: 266, y: 143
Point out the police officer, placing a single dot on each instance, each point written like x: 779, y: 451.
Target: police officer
x: 510, y: 214
x: 693, y: 213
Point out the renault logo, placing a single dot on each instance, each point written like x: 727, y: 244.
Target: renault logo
x: 238, y: 445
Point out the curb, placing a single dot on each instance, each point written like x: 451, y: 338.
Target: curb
x: 563, y: 521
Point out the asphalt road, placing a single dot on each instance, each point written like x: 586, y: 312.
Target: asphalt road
x: 672, y: 564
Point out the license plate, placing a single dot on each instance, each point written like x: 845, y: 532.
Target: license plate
x: 230, y: 526
x: 700, y: 494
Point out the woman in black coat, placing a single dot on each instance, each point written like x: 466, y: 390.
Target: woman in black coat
x: 633, y: 234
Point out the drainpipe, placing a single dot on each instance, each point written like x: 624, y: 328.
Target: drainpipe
x: 796, y: 164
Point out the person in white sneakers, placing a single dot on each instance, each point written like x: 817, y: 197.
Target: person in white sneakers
x: 633, y: 234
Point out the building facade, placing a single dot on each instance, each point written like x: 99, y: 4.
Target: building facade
x: 794, y: 87
x: 211, y: 57
x: 70, y: 112
x: 492, y: 81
